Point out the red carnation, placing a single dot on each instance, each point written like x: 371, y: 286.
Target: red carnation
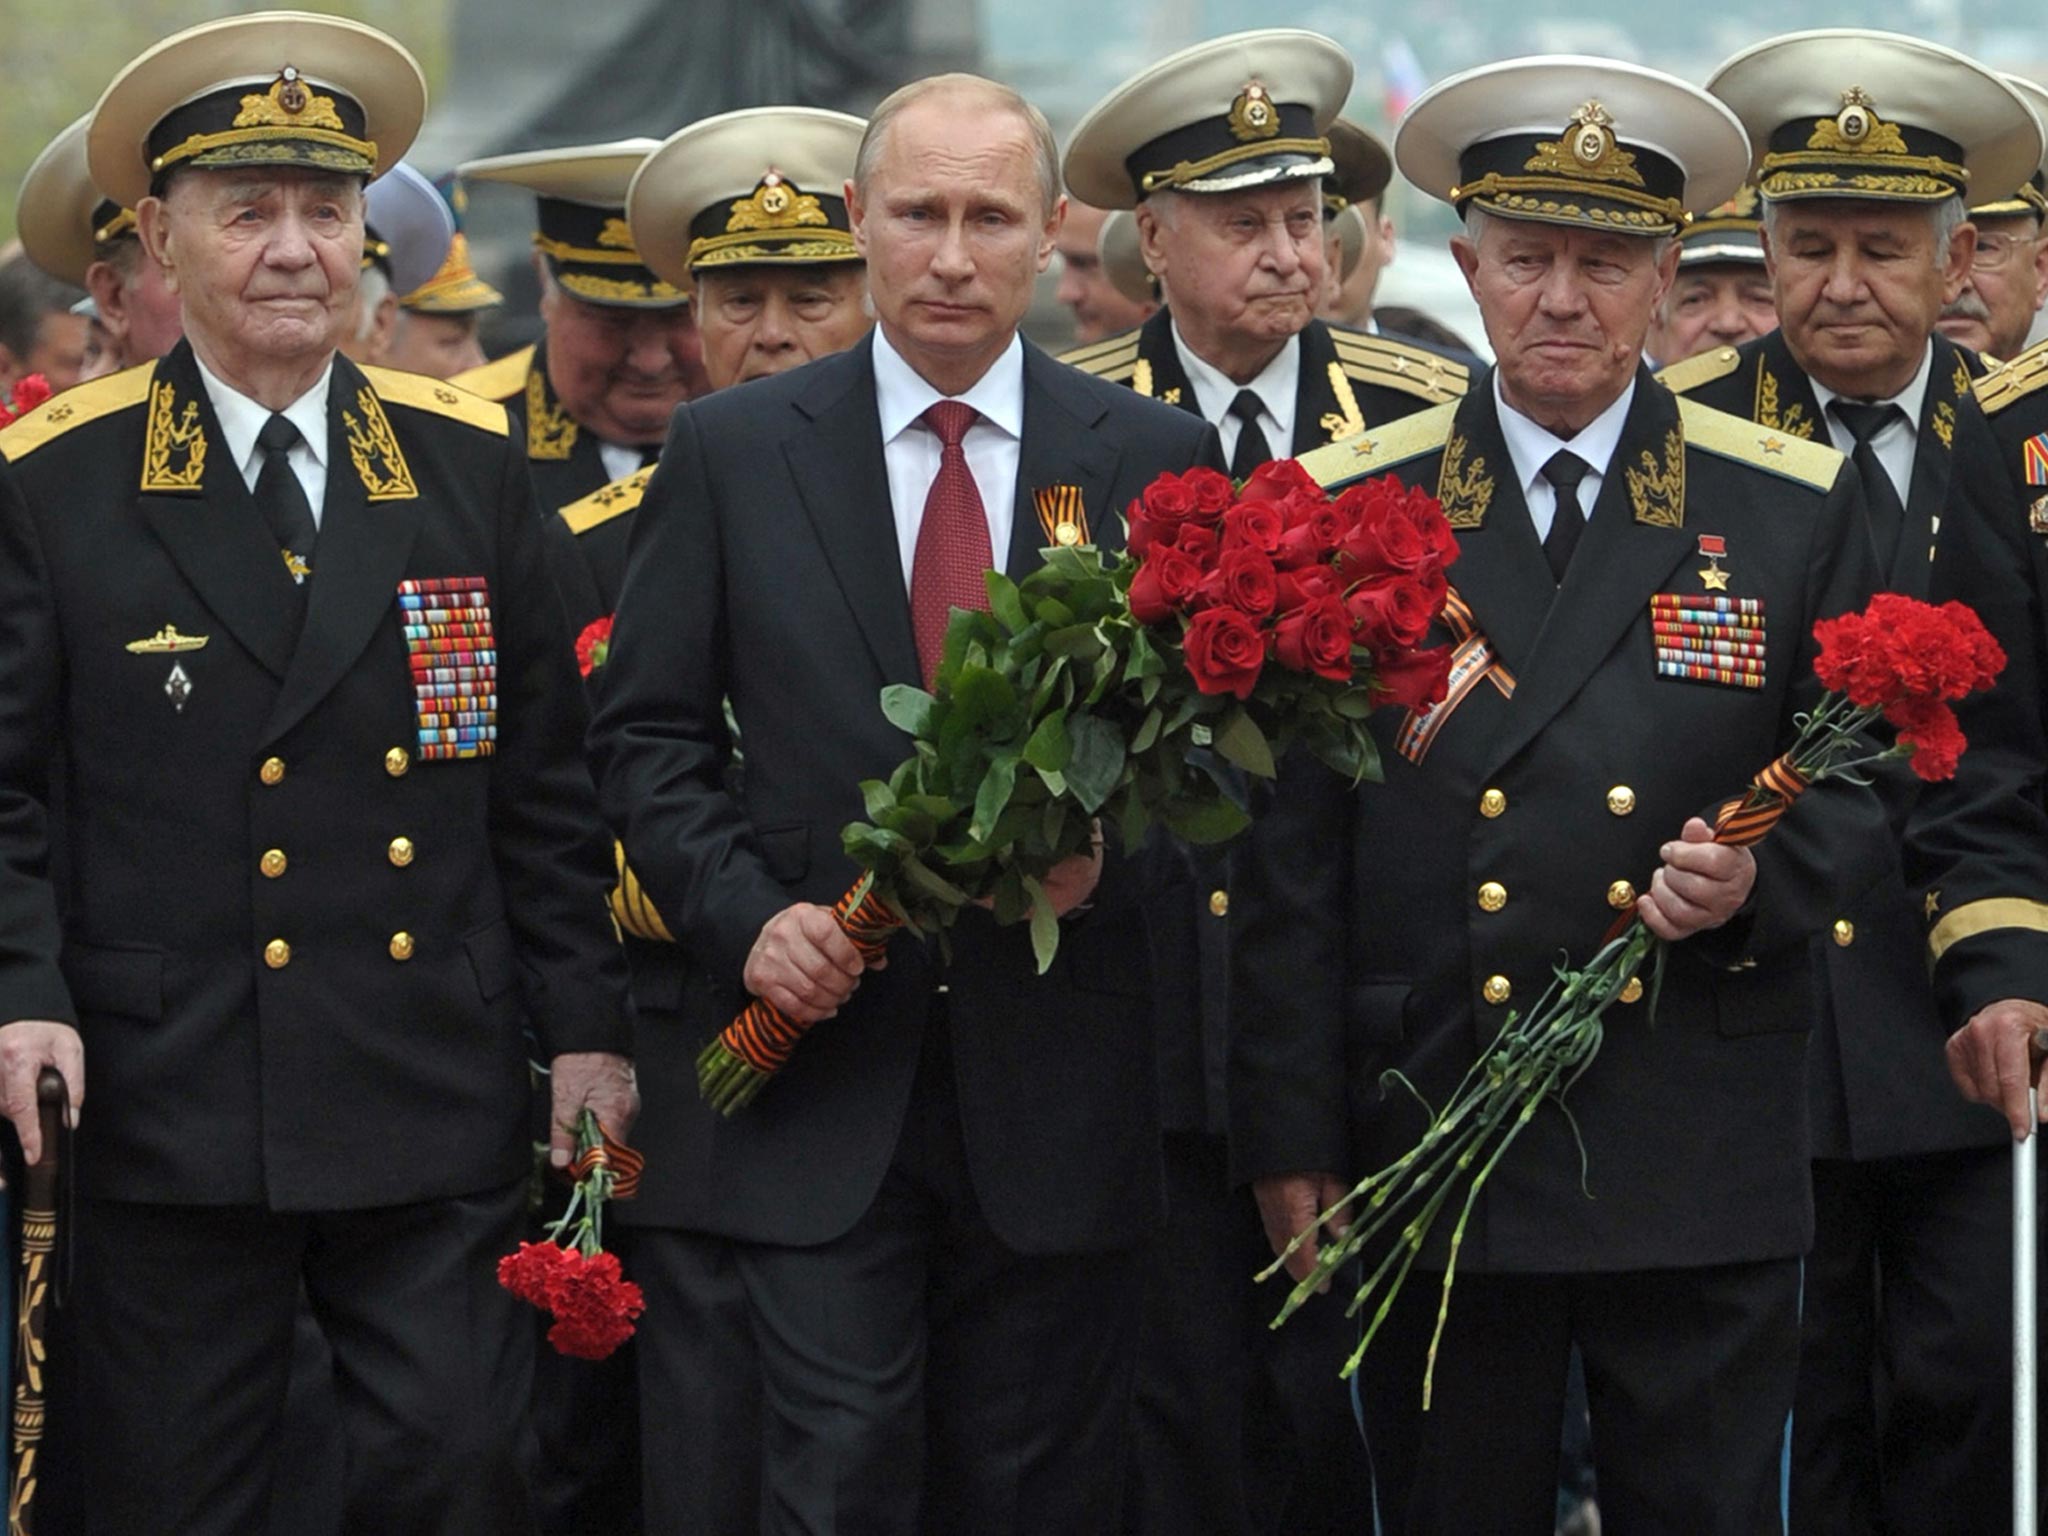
x: 1898, y: 648
x: 1243, y: 579
x: 1224, y: 651
x: 1316, y: 637
x: 1930, y: 727
x: 1164, y: 584
x: 1257, y: 524
x: 594, y: 644
x: 530, y: 1273
x: 594, y: 1306
x: 1412, y: 679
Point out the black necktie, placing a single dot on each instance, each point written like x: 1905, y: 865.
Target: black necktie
x: 1880, y: 496
x: 1251, y: 450
x: 283, y: 500
x: 1564, y: 472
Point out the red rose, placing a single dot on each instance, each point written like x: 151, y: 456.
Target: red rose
x: 1167, y: 500
x: 1930, y: 727
x: 1212, y: 492
x: 1199, y: 542
x: 1272, y: 480
x: 1385, y: 543
x: 1164, y: 585
x: 1316, y: 637
x: 1256, y: 524
x: 1244, y: 580
x: 1304, y: 584
x: 1412, y: 679
x: 1313, y: 530
x: 594, y: 645
x: 1395, y: 610
x: 1224, y: 651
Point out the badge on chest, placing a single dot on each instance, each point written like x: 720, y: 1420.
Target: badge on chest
x: 1709, y: 638
x: 453, y: 654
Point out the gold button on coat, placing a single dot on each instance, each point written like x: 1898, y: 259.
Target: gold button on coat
x: 401, y: 945
x: 1845, y: 932
x: 277, y: 954
x: 1633, y: 992
x: 272, y: 770
x: 1621, y: 800
x: 1492, y: 896
x: 396, y: 761
x: 273, y: 863
x: 1492, y: 803
x: 1219, y: 903
x: 1621, y: 895
x: 400, y: 851
x: 1496, y: 989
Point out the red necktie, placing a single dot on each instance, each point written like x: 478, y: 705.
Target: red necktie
x: 951, y: 565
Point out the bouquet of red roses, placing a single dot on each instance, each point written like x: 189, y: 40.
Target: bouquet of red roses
x: 570, y: 1275
x: 1102, y: 688
x: 1901, y: 660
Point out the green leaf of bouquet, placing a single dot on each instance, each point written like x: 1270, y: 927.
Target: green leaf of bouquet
x: 1048, y: 749
x: 908, y: 709
x: 921, y: 829
x: 1005, y: 602
x: 1052, y: 613
x: 1097, y: 762
x: 993, y: 796
x: 918, y: 876
x: 1240, y: 740
x: 982, y: 696
x: 1045, y: 925
x: 1353, y: 703
x: 1145, y: 660
x: 1148, y: 732
x: 1135, y: 821
x: 1079, y: 641
x: 1206, y: 820
x: 878, y: 797
x: 1053, y: 821
x: 1009, y: 899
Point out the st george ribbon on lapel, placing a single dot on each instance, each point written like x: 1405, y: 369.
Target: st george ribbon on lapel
x: 454, y: 658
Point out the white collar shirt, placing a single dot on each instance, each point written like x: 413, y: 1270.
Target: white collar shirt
x: 911, y: 449
x: 1531, y: 446
x: 1275, y: 386
x: 241, y: 418
x: 1896, y: 443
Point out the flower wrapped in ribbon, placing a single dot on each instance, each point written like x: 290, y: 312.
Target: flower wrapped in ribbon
x: 1098, y: 691
x: 1901, y: 661
x: 570, y: 1274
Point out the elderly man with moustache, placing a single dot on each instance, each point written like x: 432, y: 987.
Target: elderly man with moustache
x: 2008, y: 279
x: 1867, y: 146
x: 935, y: 1208
x: 1721, y: 296
x: 1516, y: 821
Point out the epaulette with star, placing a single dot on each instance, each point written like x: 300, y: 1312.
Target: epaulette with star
x: 1701, y: 368
x: 74, y: 408
x: 607, y: 501
x: 1740, y: 439
x: 441, y: 397
x: 1390, y: 364
x: 2013, y: 380
x: 1381, y: 448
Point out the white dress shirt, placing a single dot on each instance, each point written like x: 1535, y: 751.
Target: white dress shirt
x: 620, y: 459
x: 241, y: 419
x: 911, y: 450
x: 1898, y: 440
x: 1275, y: 386
x: 1531, y: 447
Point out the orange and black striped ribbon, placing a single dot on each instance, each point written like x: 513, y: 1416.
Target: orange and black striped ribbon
x: 1747, y: 819
x: 763, y: 1036
x: 625, y: 1164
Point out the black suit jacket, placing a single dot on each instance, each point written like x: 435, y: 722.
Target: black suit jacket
x: 368, y: 1069
x: 1880, y: 1086
x: 1360, y: 942
x: 765, y: 571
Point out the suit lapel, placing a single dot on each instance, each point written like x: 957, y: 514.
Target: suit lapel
x: 1313, y: 397
x: 1163, y: 375
x: 1933, y: 464
x: 1060, y: 448
x: 212, y: 529
x: 1500, y: 571
x: 843, y: 483
x: 1618, y: 565
x: 357, y: 564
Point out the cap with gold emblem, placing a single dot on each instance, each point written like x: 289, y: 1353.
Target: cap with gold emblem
x: 1568, y: 140
x: 454, y: 289
x: 407, y: 227
x: 1363, y: 167
x: 64, y: 222
x: 581, y: 210
x: 1242, y: 111
x: 1732, y: 232
x: 1842, y: 112
x: 763, y: 187
x: 2032, y: 195
x: 276, y: 88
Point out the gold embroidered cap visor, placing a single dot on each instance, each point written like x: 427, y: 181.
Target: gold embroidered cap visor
x: 277, y: 88
x: 2032, y: 194
x: 581, y: 217
x: 64, y: 223
x: 413, y: 221
x: 1561, y: 139
x: 1729, y: 234
x: 1843, y: 112
x: 762, y: 187
x: 1247, y: 110
x: 455, y: 289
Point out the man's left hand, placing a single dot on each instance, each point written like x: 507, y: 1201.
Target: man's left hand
x: 1991, y: 1059
x: 1073, y: 880
x: 1701, y: 885
x: 599, y: 1079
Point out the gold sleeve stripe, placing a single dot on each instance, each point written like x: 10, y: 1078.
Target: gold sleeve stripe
x: 1987, y: 916
x: 1380, y: 448
x: 1083, y: 354
x: 635, y: 911
x: 74, y: 408
x: 1104, y: 363
x: 1777, y: 453
x: 501, y: 379
x: 438, y: 396
x: 1703, y: 368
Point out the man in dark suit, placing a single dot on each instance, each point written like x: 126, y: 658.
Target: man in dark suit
x: 1239, y: 1429
x: 299, y: 718
x: 1902, y: 1420
x: 1559, y: 787
x: 935, y: 1206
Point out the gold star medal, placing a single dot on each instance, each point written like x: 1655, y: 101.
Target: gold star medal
x: 1713, y: 546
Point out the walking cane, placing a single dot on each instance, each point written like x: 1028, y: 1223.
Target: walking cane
x: 2026, y: 1361
x: 38, y: 1249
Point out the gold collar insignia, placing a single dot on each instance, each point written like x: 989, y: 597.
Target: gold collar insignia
x: 550, y: 430
x: 1347, y: 420
x: 1658, y: 490
x: 174, y: 444
x: 1792, y: 421
x: 373, y: 448
x: 1465, y: 490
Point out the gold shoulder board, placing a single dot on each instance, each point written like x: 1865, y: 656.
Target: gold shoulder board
x: 1739, y: 438
x: 2013, y: 380
x: 442, y: 397
x: 1381, y: 448
x: 499, y: 380
x: 607, y: 501
x: 1110, y: 359
x: 1701, y: 368
x: 74, y: 408
x: 1394, y: 364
